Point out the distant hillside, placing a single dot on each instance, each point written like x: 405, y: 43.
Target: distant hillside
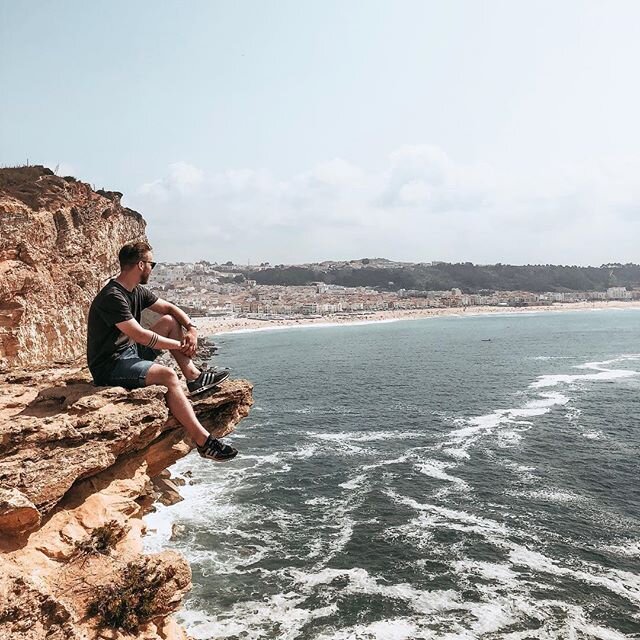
x: 466, y: 276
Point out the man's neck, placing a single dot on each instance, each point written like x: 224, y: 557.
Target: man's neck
x: 129, y: 282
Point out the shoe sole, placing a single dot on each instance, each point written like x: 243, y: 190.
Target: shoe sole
x: 208, y: 388
x: 220, y: 459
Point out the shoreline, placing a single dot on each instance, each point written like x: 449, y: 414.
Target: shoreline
x: 211, y: 326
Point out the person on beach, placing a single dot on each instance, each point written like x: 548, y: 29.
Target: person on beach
x: 121, y: 353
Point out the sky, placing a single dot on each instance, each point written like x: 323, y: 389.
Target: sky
x: 294, y: 131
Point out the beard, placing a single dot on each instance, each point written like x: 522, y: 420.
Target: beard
x: 144, y: 278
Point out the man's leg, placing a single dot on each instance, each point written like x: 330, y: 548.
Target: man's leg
x: 169, y: 327
x: 177, y: 401
x: 179, y: 405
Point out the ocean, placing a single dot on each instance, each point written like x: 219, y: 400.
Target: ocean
x: 452, y: 477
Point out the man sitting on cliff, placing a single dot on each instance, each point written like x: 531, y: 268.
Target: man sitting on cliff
x: 121, y: 353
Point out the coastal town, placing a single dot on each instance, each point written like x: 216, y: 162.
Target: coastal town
x: 223, y: 292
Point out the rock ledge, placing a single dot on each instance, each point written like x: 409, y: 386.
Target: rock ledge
x: 74, y: 459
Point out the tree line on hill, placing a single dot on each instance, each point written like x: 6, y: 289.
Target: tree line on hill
x: 466, y: 276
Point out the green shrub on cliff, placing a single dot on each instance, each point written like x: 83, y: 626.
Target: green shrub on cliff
x: 133, y: 600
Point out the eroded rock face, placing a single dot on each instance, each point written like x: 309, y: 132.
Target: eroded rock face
x: 78, y: 461
x: 57, y: 428
x: 47, y: 583
x: 59, y: 242
x: 74, y: 457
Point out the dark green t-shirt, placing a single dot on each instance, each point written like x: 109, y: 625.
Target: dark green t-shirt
x: 113, y: 304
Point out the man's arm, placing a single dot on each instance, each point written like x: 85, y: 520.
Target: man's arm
x: 189, y: 343
x: 134, y: 330
x: 162, y: 306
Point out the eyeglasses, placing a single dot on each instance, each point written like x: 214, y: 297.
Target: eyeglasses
x: 153, y: 264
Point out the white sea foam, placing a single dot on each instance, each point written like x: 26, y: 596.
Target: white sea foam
x: 545, y: 401
x: 630, y: 549
x: 622, y: 583
x: 604, y: 364
x: 508, y: 438
x: 354, y: 483
x: 573, y: 626
x: 321, y: 501
x: 343, y: 442
x: 366, y: 436
x: 305, y: 451
x: 399, y: 460
x: 472, y: 429
x: 457, y: 454
x: 505, y: 599
x: 396, y: 629
x: 360, y: 581
x: 508, y: 423
x: 604, y: 373
x: 487, y: 570
x: 593, y: 434
x: 601, y: 376
x: 452, y: 518
x: 260, y: 618
x: 437, y: 469
x: 550, y: 495
x: 573, y: 413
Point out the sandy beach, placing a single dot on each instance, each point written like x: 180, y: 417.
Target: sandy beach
x: 232, y: 324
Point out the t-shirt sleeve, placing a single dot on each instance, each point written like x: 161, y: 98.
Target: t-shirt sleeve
x: 148, y: 297
x: 114, y: 308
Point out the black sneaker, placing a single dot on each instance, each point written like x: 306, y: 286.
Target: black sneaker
x: 206, y: 380
x: 215, y: 450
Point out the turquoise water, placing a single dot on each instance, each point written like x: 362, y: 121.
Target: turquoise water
x: 471, y: 477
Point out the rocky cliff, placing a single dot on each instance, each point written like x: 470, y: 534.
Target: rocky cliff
x: 59, y: 241
x: 79, y: 464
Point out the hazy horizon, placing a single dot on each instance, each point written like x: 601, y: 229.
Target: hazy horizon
x: 371, y: 258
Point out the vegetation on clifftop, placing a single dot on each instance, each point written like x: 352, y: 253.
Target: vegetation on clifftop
x: 468, y: 277
x: 134, y: 599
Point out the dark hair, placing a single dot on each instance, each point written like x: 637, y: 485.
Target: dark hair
x: 132, y: 253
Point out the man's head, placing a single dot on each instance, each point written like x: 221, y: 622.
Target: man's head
x: 137, y: 258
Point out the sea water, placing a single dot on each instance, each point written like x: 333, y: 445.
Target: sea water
x: 453, y: 477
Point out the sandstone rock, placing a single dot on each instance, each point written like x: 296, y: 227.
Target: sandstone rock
x: 79, y: 464
x: 17, y: 513
x: 74, y: 458
x: 47, y: 584
x: 168, y: 491
x: 59, y: 242
x: 53, y: 435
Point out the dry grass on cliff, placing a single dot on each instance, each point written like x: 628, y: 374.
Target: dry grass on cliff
x: 134, y: 599
x: 24, y: 182
x: 21, y: 177
x: 102, y: 539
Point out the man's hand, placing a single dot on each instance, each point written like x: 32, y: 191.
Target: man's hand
x: 189, y: 343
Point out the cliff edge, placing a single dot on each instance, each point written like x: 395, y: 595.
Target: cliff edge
x: 80, y: 464
x: 59, y: 242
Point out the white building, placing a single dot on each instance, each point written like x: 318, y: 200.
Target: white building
x: 618, y: 293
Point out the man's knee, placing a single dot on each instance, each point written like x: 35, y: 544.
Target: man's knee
x: 167, y: 326
x: 159, y: 374
x: 170, y: 321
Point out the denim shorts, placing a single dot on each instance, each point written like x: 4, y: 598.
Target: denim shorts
x: 131, y: 368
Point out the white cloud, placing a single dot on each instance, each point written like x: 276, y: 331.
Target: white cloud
x: 421, y: 206
x: 182, y: 178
